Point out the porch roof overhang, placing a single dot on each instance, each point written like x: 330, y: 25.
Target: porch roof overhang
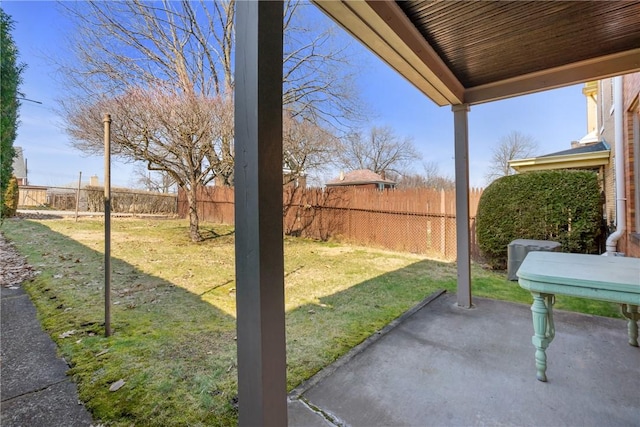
x: 567, y: 161
x: 474, y: 52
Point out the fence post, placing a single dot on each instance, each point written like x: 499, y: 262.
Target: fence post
x: 78, y: 194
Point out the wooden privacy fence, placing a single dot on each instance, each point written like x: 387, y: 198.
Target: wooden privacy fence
x: 413, y: 220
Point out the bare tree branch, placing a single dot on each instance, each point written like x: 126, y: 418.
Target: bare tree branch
x: 152, y: 180
x: 306, y: 146
x: 514, y: 145
x: 430, y: 178
x: 381, y: 151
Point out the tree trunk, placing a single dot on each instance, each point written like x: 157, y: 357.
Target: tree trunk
x: 194, y: 231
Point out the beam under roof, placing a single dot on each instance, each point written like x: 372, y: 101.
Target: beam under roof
x: 579, y: 72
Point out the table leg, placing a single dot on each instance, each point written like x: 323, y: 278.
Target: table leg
x: 633, y: 315
x: 544, y: 330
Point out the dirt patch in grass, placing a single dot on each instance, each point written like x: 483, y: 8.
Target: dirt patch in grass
x: 15, y: 268
x: 335, y: 250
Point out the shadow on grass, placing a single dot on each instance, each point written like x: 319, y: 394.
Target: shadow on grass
x: 175, y: 352
x: 211, y: 234
x: 39, y: 215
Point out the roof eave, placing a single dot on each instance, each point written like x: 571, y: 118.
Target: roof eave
x: 567, y: 161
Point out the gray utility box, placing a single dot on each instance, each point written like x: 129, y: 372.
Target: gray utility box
x: 518, y: 249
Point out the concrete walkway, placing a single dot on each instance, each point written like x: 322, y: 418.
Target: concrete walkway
x: 446, y: 366
x: 35, y: 390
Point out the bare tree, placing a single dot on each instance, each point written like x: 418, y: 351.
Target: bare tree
x: 125, y: 52
x: 172, y: 132
x: 436, y: 179
x: 379, y: 150
x: 319, y: 72
x: 307, y: 147
x: 515, y: 145
x: 430, y: 178
x: 159, y: 182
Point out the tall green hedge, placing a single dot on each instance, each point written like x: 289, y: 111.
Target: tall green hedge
x: 563, y: 206
x: 10, y: 80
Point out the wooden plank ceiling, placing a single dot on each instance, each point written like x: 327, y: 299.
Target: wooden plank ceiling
x: 478, y: 51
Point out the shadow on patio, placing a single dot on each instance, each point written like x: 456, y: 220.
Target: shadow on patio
x: 446, y: 366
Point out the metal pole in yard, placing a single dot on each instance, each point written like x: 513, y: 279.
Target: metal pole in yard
x: 443, y: 224
x: 78, y: 195
x: 107, y: 224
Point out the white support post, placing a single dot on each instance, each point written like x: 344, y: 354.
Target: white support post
x: 463, y: 241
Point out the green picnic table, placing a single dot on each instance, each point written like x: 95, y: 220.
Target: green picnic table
x: 605, y: 278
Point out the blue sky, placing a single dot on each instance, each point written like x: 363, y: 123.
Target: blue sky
x: 552, y: 118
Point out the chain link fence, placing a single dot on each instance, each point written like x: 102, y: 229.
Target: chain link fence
x: 91, y: 199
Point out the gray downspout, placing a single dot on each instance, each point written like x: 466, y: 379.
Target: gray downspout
x: 621, y: 217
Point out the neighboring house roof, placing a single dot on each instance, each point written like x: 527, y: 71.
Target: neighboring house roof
x: 591, y: 148
x: 19, y: 166
x: 583, y: 157
x: 359, y: 177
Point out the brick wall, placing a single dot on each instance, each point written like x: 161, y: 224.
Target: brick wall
x: 630, y: 243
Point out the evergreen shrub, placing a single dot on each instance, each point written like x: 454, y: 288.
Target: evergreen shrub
x: 561, y: 205
x: 10, y: 199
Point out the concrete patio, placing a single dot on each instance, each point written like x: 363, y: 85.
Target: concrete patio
x: 447, y: 366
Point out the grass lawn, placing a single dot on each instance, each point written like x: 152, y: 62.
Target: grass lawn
x: 173, y: 312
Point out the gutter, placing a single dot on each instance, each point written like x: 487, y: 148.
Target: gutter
x: 621, y: 217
